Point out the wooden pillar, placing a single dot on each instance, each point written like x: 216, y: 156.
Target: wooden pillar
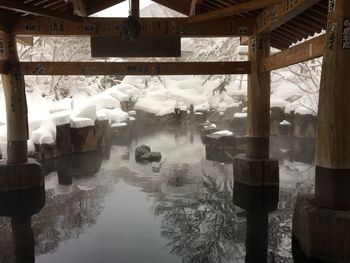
x: 259, y: 85
x: 15, y: 98
x: 333, y: 128
x: 135, y: 8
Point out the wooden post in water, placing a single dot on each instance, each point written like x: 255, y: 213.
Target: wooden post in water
x: 333, y: 129
x: 259, y: 85
x: 16, y: 104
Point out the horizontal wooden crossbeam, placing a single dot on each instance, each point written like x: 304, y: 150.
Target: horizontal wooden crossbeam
x: 277, y: 15
x: 17, y: 6
x: 150, y: 27
x: 233, y: 10
x: 134, y: 68
x: 313, y: 48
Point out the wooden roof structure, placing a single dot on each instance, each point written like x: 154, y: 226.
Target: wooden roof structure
x: 299, y: 18
x: 306, y: 17
x: 286, y: 21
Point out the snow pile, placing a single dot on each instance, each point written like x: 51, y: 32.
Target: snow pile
x: 162, y: 95
x: 240, y: 115
x: 285, y: 123
x: 224, y: 133
x: 79, y: 112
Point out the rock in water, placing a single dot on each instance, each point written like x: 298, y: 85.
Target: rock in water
x: 154, y: 157
x: 143, y: 154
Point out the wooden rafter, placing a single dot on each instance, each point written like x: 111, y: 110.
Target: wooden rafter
x: 277, y: 15
x: 134, y: 68
x: 25, y: 41
x: 195, y: 5
x: 95, y: 6
x: 233, y: 10
x: 307, y: 50
x: 151, y: 27
x: 34, y: 10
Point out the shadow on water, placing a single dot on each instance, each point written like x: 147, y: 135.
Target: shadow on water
x: 186, y: 202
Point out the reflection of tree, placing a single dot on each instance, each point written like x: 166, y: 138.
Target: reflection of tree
x: 280, y: 223
x: 203, y: 228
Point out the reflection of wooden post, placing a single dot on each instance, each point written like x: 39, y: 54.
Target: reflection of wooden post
x: 333, y: 129
x: 23, y: 238
x: 16, y: 104
x: 258, y: 131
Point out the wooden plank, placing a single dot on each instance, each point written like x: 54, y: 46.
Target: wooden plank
x: 195, y: 6
x: 277, y: 15
x: 150, y: 27
x: 140, y: 47
x: 310, y: 49
x: 25, y: 41
x: 34, y: 10
x: 233, y: 10
x: 134, y: 68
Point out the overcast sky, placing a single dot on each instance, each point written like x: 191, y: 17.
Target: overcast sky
x: 122, y: 9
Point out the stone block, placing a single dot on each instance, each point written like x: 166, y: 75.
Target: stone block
x: 84, y: 139
x: 239, y: 125
x: 305, y: 126
x: 21, y: 176
x: 284, y: 129
x: 120, y: 130
x: 63, y: 139
x: 255, y: 172
x: 323, y: 234
x: 124, y: 105
x: 220, y: 148
x: 199, y: 117
x: 103, y: 133
x: 276, y: 117
x: 22, y: 203
x: 46, y: 152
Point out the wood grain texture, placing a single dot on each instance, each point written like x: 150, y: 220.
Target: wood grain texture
x: 333, y: 128
x: 15, y: 99
x: 313, y: 48
x: 259, y: 85
x: 134, y: 68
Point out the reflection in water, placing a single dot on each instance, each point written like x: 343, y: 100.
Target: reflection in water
x: 23, y: 238
x: 196, y: 220
x: 203, y: 227
x: 18, y: 207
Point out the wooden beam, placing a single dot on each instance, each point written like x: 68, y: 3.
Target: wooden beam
x: 277, y: 15
x: 79, y: 8
x: 313, y: 48
x: 150, y: 27
x: 95, y: 6
x: 134, y: 68
x: 25, y: 41
x: 233, y: 10
x: 34, y: 10
x: 195, y: 6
